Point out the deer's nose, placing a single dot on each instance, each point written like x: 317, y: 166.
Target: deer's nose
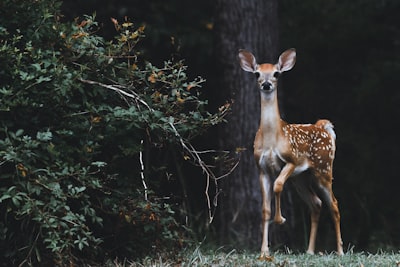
x: 267, y: 86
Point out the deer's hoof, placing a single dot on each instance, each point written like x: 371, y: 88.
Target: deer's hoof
x: 279, y: 220
x: 265, y: 257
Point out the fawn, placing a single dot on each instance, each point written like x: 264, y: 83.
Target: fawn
x: 283, y: 150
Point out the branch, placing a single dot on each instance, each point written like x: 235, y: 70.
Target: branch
x: 142, y: 171
x: 206, y: 169
x: 122, y: 92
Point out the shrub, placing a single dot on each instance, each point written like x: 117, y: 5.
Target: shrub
x: 87, y: 126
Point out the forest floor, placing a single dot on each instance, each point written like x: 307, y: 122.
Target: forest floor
x: 278, y: 259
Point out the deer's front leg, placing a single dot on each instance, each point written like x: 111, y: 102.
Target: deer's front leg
x: 266, y: 212
x: 286, y: 171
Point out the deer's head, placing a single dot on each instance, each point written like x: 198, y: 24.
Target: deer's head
x: 267, y: 74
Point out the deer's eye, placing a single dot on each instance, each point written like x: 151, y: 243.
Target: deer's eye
x: 276, y: 74
x: 257, y: 74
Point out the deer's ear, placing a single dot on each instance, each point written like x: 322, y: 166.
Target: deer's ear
x: 247, y: 61
x: 287, y: 60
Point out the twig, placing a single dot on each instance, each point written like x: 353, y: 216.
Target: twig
x: 206, y: 169
x: 142, y: 170
x: 122, y: 92
x: 30, y: 251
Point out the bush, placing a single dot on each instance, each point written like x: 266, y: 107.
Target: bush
x: 87, y: 127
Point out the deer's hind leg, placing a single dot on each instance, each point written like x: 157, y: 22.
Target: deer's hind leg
x: 329, y: 197
x: 314, y: 203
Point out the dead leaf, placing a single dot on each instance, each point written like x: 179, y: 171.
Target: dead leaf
x: 82, y: 24
x: 266, y: 258
x: 152, y: 78
x: 114, y: 21
x: 96, y: 119
x: 127, y: 24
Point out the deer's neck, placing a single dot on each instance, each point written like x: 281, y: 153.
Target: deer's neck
x: 270, y: 121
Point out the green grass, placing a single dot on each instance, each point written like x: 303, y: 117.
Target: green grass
x: 278, y: 259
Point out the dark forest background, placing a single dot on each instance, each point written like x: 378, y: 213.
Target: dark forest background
x: 347, y: 70
x: 75, y: 155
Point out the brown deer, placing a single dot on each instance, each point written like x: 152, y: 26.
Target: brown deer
x: 283, y: 150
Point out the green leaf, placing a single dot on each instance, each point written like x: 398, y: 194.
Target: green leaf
x: 44, y: 136
x: 19, y: 132
x: 16, y: 200
x: 41, y: 79
x: 4, y: 197
x: 99, y: 164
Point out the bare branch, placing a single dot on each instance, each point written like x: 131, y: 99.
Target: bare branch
x: 122, y: 92
x: 142, y: 170
x: 206, y: 169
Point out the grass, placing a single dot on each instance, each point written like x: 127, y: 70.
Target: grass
x: 278, y: 259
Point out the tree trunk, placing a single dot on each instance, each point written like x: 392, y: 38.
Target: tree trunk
x: 250, y: 25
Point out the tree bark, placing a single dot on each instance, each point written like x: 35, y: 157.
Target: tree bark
x: 250, y: 25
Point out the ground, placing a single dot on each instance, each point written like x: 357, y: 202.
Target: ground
x: 216, y: 258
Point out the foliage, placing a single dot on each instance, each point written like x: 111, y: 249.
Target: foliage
x: 87, y: 127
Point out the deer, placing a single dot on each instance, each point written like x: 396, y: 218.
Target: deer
x: 283, y: 150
